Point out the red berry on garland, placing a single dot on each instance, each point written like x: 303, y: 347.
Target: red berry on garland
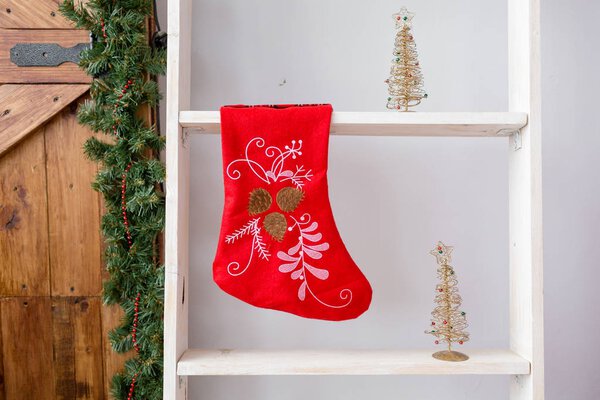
x: 437, y: 342
x: 460, y: 342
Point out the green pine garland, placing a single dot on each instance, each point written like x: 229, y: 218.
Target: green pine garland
x: 121, y: 62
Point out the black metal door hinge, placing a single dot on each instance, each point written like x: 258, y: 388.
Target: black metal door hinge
x: 45, y: 54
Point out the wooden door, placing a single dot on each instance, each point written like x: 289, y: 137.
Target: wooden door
x: 53, y: 326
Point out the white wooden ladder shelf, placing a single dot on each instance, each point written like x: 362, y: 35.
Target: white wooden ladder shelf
x: 524, y: 358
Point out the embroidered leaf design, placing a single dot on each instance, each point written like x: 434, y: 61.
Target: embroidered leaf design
x: 271, y: 175
x: 313, y: 238
x: 295, y: 261
x: 322, y: 274
x: 259, y: 245
x: 311, y: 228
x: 296, y: 274
x: 294, y: 249
x: 283, y: 256
x: 241, y: 232
x: 312, y: 254
x: 302, y: 291
x: 298, y: 177
x: 319, y: 247
x: 285, y: 268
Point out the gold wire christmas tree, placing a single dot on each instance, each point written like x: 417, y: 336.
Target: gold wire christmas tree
x: 405, y: 85
x: 449, y: 321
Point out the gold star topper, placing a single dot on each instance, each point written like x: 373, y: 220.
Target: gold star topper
x: 442, y: 253
x: 403, y: 17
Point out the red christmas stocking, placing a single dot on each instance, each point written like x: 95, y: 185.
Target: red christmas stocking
x: 279, y: 247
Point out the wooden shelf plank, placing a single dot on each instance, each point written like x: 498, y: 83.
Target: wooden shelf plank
x: 346, y: 362
x: 393, y: 123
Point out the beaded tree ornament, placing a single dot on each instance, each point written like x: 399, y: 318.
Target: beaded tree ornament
x: 449, y: 321
x: 405, y: 84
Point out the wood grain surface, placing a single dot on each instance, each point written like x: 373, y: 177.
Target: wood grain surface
x: 24, y: 220
x: 19, y: 14
x: 27, y: 348
x: 74, y: 210
x: 24, y: 108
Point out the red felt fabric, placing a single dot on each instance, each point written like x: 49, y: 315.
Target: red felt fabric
x: 309, y: 272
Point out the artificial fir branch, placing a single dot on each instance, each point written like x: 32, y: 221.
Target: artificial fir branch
x: 121, y: 62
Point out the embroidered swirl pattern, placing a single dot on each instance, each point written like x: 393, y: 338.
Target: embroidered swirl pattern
x: 310, y: 245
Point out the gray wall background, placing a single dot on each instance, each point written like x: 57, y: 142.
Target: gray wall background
x: 393, y: 198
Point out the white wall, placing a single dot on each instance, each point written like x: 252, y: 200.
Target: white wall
x: 393, y: 198
x: 571, y: 197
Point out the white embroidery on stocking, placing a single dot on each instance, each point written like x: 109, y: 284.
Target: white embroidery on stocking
x: 295, y: 260
x: 309, y: 241
x: 276, y: 171
x: 251, y: 228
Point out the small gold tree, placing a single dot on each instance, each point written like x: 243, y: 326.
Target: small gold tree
x: 449, y: 321
x: 405, y: 85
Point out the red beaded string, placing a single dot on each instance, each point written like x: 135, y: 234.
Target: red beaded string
x: 103, y: 28
x: 135, y: 344
x: 116, y: 105
x: 124, y: 176
x: 132, y: 386
x: 124, y: 203
x: 135, y: 324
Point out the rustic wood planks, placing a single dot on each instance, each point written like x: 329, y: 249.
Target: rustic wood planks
x: 19, y: 14
x: 24, y: 220
x: 27, y: 348
x: 74, y: 210
x: 24, y: 108
x: 49, y: 243
x: 77, y: 344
